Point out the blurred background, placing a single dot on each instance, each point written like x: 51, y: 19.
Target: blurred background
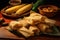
x: 3, y: 3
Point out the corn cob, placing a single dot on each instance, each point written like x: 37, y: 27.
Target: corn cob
x: 13, y: 9
x: 24, y: 9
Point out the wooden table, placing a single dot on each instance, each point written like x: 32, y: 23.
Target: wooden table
x: 41, y: 37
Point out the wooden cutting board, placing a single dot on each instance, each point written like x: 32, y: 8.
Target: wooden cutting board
x: 8, y: 35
